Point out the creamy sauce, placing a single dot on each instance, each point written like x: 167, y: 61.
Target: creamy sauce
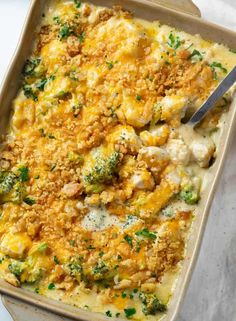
x: 99, y: 219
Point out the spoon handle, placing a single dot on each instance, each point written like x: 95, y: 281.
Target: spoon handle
x: 223, y: 87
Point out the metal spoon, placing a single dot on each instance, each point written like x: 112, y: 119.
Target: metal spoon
x: 223, y: 87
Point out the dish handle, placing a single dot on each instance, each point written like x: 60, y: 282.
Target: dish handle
x: 185, y: 6
x: 21, y: 311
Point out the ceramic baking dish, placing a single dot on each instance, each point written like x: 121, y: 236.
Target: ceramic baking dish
x: 24, y: 305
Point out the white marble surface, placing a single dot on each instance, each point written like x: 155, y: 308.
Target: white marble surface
x: 212, y: 292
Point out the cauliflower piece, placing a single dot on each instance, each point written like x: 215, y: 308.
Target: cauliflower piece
x: 173, y: 106
x: 202, y: 150
x: 156, y: 158
x: 15, y: 245
x: 136, y: 113
x: 178, y: 151
x: 156, y: 136
x: 126, y: 136
x: 143, y: 180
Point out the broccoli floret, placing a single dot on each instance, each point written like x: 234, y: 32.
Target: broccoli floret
x: 16, y: 195
x: 16, y: 268
x: 33, y: 275
x: 36, y: 263
x: 104, y: 170
x: 190, y: 195
x: 151, y: 304
x: 104, y: 271
x: 34, y: 67
x: 29, y: 92
x: 33, y: 272
x: 11, y: 189
x: 75, y: 268
x: 100, y: 270
x: 30, y: 66
x: 7, y: 181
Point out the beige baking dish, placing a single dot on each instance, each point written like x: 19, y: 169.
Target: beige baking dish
x: 182, y: 14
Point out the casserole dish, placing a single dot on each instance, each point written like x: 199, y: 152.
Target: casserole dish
x: 138, y: 8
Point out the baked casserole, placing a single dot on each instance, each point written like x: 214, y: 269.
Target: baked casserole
x: 99, y: 178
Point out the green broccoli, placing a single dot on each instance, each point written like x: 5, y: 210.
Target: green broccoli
x: 34, y: 264
x: 190, y: 195
x: 104, y: 170
x: 32, y: 270
x: 7, y: 181
x: 100, y: 270
x: 151, y: 304
x: 16, y: 268
x: 11, y: 189
x: 30, y: 66
x: 104, y: 271
x: 29, y: 92
x: 33, y: 275
x: 34, y: 68
x: 17, y: 194
x: 29, y: 200
x: 75, y: 269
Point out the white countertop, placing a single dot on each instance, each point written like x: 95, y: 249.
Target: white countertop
x: 212, y: 292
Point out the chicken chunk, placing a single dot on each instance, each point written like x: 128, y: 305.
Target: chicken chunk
x: 202, y: 150
x: 15, y: 245
x: 71, y: 189
x: 143, y: 180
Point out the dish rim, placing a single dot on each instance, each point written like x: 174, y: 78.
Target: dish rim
x: 67, y: 310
